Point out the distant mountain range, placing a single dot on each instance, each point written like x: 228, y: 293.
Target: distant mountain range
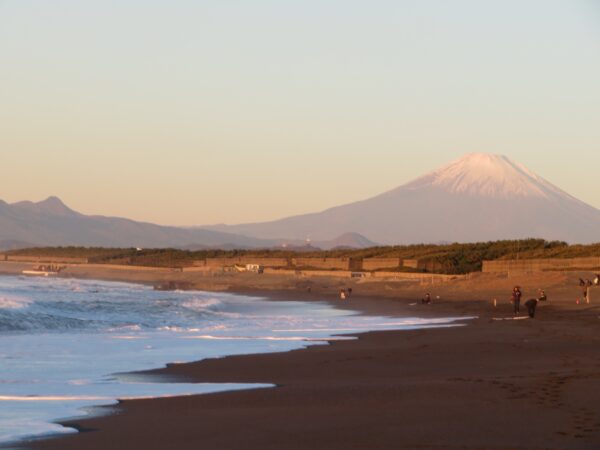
x: 479, y: 197
x: 52, y: 223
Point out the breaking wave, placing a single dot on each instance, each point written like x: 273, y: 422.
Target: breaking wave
x: 67, y: 305
x: 202, y: 304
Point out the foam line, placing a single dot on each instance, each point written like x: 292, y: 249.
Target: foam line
x: 267, y: 338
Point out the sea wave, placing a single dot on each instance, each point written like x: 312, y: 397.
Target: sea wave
x: 21, y: 321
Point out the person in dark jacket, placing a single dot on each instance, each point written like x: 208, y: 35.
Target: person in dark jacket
x: 516, y: 299
x: 531, y: 304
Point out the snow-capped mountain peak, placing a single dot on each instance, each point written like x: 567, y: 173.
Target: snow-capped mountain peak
x: 487, y: 175
x: 479, y: 197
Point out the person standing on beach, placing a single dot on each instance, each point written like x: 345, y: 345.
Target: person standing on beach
x: 542, y: 296
x: 516, y: 299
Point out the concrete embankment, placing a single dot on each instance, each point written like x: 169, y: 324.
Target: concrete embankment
x: 541, y: 265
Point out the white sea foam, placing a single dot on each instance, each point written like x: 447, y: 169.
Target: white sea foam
x: 79, y: 382
x: 14, y: 302
x: 11, y: 431
x: 126, y: 328
x: 270, y: 338
x: 51, y: 398
x: 127, y: 337
x: 201, y: 304
x: 173, y: 329
x: 324, y: 330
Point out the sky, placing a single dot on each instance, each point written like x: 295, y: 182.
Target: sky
x: 190, y: 112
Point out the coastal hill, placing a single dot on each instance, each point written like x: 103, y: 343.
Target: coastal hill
x: 479, y: 197
x: 52, y: 223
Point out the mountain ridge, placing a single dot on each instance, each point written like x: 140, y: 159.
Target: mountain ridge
x: 51, y: 222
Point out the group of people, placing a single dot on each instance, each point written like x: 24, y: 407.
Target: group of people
x: 530, y: 304
x: 589, y: 283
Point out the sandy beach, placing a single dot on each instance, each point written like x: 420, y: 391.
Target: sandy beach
x: 491, y: 384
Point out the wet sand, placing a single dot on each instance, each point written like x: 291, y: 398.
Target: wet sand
x: 491, y: 384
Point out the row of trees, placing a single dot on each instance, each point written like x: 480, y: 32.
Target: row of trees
x: 451, y: 258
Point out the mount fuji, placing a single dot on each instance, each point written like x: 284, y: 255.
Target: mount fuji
x: 478, y: 197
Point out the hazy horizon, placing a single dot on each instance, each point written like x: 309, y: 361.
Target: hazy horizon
x: 192, y: 113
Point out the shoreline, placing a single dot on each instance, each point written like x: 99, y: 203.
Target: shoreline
x: 402, y: 379
x: 128, y: 369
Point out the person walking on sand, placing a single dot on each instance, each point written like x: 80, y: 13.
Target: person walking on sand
x: 516, y: 299
x: 427, y: 299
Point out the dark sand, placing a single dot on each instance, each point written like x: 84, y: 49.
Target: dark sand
x: 513, y: 384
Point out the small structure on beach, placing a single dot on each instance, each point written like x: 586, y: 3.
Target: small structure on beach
x: 254, y: 268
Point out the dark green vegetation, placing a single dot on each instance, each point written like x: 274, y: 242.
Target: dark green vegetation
x: 450, y: 258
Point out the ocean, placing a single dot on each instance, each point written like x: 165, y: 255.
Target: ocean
x: 67, y: 345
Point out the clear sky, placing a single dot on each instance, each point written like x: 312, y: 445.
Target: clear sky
x: 205, y: 111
